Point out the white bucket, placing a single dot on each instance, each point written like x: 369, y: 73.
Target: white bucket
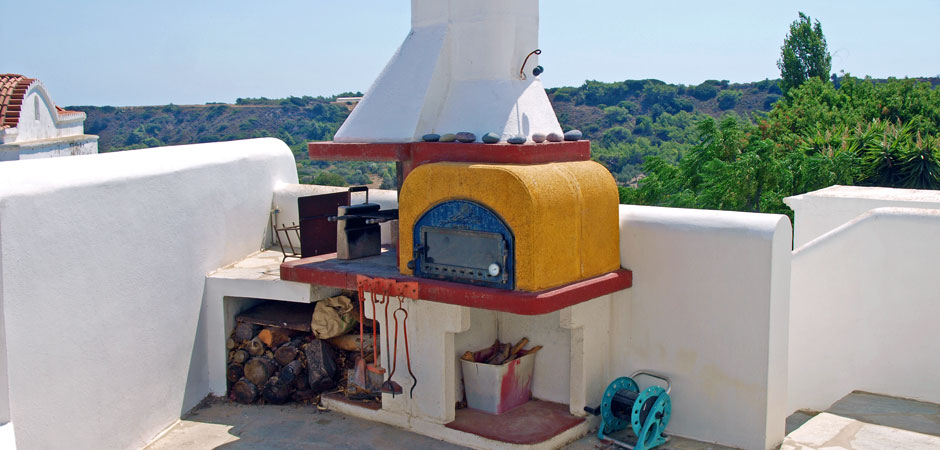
x: 496, y: 389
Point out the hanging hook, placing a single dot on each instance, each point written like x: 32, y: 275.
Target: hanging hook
x: 522, y: 69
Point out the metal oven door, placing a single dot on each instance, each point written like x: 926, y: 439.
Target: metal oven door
x: 464, y: 242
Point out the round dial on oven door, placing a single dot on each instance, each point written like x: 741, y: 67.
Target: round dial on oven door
x: 494, y: 269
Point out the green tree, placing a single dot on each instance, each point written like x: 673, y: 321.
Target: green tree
x: 705, y: 91
x: 804, y: 54
x: 329, y: 179
x: 728, y: 99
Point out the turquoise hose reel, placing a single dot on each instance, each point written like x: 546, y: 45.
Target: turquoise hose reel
x: 647, y: 412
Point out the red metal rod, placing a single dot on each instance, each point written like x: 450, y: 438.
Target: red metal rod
x: 359, y: 282
x: 375, y: 350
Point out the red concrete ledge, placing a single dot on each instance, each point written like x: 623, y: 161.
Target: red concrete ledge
x: 414, y: 154
x: 340, y: 151
x: 531, y: 423
x: 326, y: 270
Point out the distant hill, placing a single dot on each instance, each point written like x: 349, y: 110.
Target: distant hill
x: 627, y: 121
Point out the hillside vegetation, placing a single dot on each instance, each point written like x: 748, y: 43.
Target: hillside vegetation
x: 294, y: 120
x: 627, y: 121
x: 849, y: 131
x: 714, y: 145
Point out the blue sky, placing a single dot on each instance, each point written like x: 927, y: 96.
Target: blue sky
x: 144, y: 52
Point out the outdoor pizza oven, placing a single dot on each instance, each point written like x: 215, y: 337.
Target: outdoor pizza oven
x: 524, y: 227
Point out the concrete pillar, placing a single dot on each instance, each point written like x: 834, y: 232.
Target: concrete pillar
x: 431, y: 327
x: 589, y: 323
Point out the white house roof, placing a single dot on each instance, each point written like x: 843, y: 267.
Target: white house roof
x: 13, y: 89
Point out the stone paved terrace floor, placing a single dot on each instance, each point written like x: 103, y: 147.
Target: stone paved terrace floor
x: 225, y: 425
x: 862, y: 420
x: 858, y: 421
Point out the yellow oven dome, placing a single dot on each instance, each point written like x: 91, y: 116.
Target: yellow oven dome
x: 563, y: 216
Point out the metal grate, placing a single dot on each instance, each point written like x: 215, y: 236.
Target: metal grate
x: 286, y: 230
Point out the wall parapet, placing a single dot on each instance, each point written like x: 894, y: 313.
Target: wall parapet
x: 103, y: 260
x: 709, y: 309
x: 869, y: 287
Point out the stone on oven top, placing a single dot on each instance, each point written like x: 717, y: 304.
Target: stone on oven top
x: 431, y: 137
x: 554, y: 137
x: 538, y: 138
x: 448, y: 137
x: 490, y: 138
x: 573, y: 135
x: 466, y: 136
x: 517, y: 140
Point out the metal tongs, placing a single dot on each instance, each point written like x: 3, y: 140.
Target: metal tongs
x: 385, y: 288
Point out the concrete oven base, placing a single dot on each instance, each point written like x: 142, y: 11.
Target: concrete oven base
x: 571, y: 371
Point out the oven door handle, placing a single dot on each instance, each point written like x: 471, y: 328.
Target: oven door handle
x: 419, y: 251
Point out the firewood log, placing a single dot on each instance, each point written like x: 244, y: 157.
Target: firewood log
x: 350, y: 342
x: 276, y: 391
x: 515, y: 348
x: 269, y: 354
x: 529, y: 351
x: 290, y: 372
x: 259, y: 369
x: 239, y: 356
x: 500, y: 356
x: 321, y: 365
x: 273, y: 337
x: 255, y: 347
x: 230, y: 344
x: 245, y: 331
x: 285, y: 354
x: 244, y: 391
x: 301, y: 383
x: 234, y: 372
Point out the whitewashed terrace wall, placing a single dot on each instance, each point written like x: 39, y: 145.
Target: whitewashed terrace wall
x: 864, y: 309
x: 818, y: 212
x: 708, y: 308
x: 103, y: 261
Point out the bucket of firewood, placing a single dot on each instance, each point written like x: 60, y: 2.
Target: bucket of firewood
x: 498, y: 378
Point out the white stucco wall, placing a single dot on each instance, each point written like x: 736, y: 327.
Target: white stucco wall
x: 708, y: 308
x: 103, y: 261
x: 864, y: 308
x: 47, y: 126
x: 81, y: 144
x: 818, y: 212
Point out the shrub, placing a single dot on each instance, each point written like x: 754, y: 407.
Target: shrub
x: 704, y: 91
x: 728, y: 99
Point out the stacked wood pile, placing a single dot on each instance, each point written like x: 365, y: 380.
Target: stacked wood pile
x: 276, y: 364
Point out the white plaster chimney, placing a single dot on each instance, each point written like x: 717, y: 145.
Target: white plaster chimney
x: 458, y: 70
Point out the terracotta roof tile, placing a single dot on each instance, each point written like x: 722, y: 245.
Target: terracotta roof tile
x: 13, y: 88
x: 63, y: 112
